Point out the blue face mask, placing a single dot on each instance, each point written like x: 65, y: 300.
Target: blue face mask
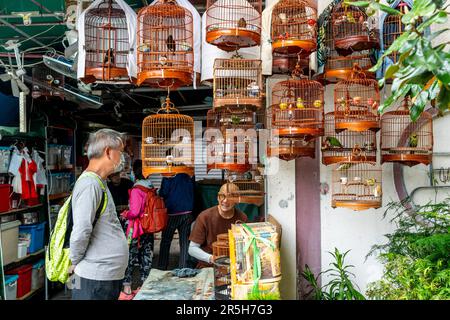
x: 132, y: 176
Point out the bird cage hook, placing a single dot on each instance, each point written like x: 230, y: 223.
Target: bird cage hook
x: 406, y: 103
x: 357, y: 72
x: 298, y: 71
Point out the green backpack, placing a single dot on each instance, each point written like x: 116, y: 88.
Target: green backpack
x: 57, y: 260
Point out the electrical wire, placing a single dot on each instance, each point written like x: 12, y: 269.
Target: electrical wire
x: 36, y: 35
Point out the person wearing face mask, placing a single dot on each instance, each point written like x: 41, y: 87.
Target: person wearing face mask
x: 98, y: 246
x: 212, y: 222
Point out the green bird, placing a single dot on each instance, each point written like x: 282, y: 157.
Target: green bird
x: 344, y: 166
x: 413, y: 140
x: 334, y: 142
x: 235, y: 120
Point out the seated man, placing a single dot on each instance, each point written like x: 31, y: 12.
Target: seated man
x: 212, y: 222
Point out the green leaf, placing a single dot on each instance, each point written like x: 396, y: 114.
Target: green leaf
x: 390, y: 72
x: 358, y: 3
x: 388, y: 9
x: 437, y: 18
x: 419, y: 105
x: 443, y: 100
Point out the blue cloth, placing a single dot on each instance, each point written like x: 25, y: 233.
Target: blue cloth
x: 185, y: 272
x: 178, y: 193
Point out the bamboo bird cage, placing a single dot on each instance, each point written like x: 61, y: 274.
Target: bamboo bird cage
x: 294, y: 28
x: 405, y: 141
x: 237, y: 81
x: 165, y: 55
x: 353, y: 29
x: 167, y: 142
x: 393, y: 28
x: 46, y: 83
x: 364, y: 141
x: 249, y: 188
x: 107, y: 43
x: 233, y: 24
x: 357, y: 185
x: 356, y: 102
x: 289, y: 149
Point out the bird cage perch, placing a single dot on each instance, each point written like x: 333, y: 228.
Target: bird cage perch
x: 356, y: 102
x: 46, y: 82
x: 237, y: 81
x: 353, y: 29
x: 107, y: 42
x: 357, y: 185
x: 405, y: 141
x: 233, y: 24
x: 339, y: 146
x: 167, y: 142
x: 294, y: 28
x: 289, y: 149
x: 165, y: 56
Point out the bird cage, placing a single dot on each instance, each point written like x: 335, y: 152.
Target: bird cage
x: 294, y: 28
x: 283, y: 64
x: 223, y: 237
x: 237, y: 81
x: 356, y: 102
x: 405, y: 141
x: 353, y: 29
x: 249, y: 189
x: 222, y: 278
x: 107, y: 36
x: 167, y: 142
x: 341, y: 146
x: 47, y: 83
x: 297, y: 108
x: 233, y: 24
x: 289, y: 149
x: 165, y: 55
x: 221, y: 248
x: 357, y: 185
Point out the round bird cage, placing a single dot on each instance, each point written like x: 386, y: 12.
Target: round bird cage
x: 237, y: 81
x: 405, y: 141
x: 294, y: 28
x: 353, y: 29
x: 222, y: 278
x: 356, y: 102
x: 167, y: 142
x: 233, y: 24
x: 393, y: 28
x: 289, y: 149
x: 357, y: 185
x: 165, y: 55
x: 220, y: 249
x: 107, y: 43
x: 230, y: 143
x: 249, y: 190
x: 347, y: 145
x: 223, y: 237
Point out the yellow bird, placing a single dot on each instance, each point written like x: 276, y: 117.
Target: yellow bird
x: 318, y: 104
x: 377, y: 191
x: 300, y: 104
x: 371, y: 182
x: 283, y: 105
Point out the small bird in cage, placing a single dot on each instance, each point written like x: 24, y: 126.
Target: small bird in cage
x: 144, y: 47
x: 371, y: 182
x: 283, y: 17
x: 235, y: 120
x: 284, y: 36
x: 109, y: 57
x: 344, y: 180
x: 170, y: 43
x: 344, y: 166
x: 161, y: 140
x: 300, y: 104
x: 163, y: 60
x: 350, y: 17
x: 242, y: 23
x: 184, y: 46
x: 377, y: 192
x: 413, y: 140
x: 232, y: 178
x: 253, y: 89
x: 375, y: 105
x: 169, y: 160
x: 332, y: 142
x: 283, y: 105
x: 312, y: 27
x: 318, y: 103
x: 356, y: 100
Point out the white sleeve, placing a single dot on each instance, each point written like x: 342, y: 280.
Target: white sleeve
x: 197, y: 252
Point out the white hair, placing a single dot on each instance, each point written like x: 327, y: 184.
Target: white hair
x: 102, y: 139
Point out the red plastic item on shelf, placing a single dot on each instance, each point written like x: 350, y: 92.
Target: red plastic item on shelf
x: 5, y: 190
x: 24, y: 283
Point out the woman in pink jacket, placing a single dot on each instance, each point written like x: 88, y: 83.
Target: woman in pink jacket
x: 141, y: 245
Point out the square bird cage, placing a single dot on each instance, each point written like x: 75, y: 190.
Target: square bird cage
x: 294, y: 28
x: 232, y: 142
x: 357, y: 186
x: 290, y: 148
x: 341, y: 146
x: 46, y: 83
x: 165, y: 55
x: 249, y: 187
x: 353, y: 29
x: 356, y: 102
x: 404, y: 141
x: 297, y: 109
x: 108, y: 35
x: 233, y: 24
x: 237, y: 81
x: 167, y: 142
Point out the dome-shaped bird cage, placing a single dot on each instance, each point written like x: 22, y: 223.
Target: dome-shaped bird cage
x: 353, y: 29
x: 233, y: 24
x: 167, y: 142
x: 356, y: 102
x: 347, y: 145
x: 230, y: 144
x: 47, y: 82
x: 165, y: 55
x: 357, y: 185
x: 237, y: 81
x: 107, y: 42
x: 290, y: 148
x: 250, y: 189
x: 294, y: 28
x: 405, y: 141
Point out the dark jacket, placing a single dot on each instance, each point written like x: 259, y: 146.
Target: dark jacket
x: 178, y: 193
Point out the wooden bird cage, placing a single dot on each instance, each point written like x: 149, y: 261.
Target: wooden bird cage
x: 356, y: 102
x: 249, y: 189
x: 107, y: 43
x: 353, y: 29
x: 289, y: 149
x: 223, y: 237
x: 365, y: 143
x: 47, y: 83
x: 167, y: 142
x: 357, y: 185
x: 405, y: 141
x: 392, y: 29
x: 233, y: 24
x: 294, y: 28
x: 221, y: 248
x: 297, y: 109
x: 237, y: 81
x: 231, y: 139
x: 165, y: 55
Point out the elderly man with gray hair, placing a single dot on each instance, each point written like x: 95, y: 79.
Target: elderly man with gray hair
x: 98, y: 246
